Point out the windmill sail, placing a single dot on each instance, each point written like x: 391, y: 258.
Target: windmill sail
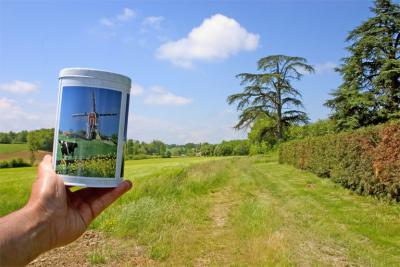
x: 79, y: 114
x: 92, y: 123
x: 94, y: 101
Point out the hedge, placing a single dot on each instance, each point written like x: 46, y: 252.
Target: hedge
x: 366, y: 160
x: 14, y: 163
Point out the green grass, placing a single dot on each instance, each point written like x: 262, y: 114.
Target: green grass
x: 96, y: 257
x: 9, y: 148
x: 238, y: 211
x: 88, y: 148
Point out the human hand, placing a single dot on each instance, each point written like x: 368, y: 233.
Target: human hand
x: 54, y: 216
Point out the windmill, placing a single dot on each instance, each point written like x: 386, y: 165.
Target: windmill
x: 92, y: 131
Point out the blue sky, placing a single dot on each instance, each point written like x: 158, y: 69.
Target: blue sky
x: 181, y: 55
x: 78, y: 100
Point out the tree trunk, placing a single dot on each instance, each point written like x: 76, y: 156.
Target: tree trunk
x: 279, y: 112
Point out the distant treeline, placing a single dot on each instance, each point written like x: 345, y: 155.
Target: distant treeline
x: 135, y: 149
x: 43, y: 140
x: 14, y: 137
x: 37, y: 140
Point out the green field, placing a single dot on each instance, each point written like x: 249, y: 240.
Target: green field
x: 243, y: 211
x: 88, y: 148
x: 10, y: 148
x: 91, y: 158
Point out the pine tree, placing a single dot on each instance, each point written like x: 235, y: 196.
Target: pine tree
x: 370, y: 92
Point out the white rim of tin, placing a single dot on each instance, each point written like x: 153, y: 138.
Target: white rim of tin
x: 95, y: 74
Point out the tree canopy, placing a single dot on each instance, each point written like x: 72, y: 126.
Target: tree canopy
x: 370, y: 92
x: 271, y: 94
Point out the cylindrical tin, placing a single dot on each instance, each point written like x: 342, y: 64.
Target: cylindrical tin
x: 90, y: 132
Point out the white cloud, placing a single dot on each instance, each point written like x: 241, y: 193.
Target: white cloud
x: 106, y: 22
x: 13, y: 118
x: 153, y: 22
x: 126, y: 15
x: 218, y: 37
x: 160, y: 96
x: 327, y: 67
x: 19, y: 87
x: 136, y: 89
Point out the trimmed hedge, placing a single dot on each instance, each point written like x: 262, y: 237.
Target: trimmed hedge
x: 366, y: 160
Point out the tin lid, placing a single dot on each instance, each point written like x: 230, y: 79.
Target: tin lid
x: 95, y: 74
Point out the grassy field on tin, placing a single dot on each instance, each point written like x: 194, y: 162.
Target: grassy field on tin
x: 244, y: 211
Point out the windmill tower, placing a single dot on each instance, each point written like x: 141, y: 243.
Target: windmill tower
x: 92, y: 131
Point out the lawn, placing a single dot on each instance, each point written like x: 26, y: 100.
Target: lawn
x: 10, y: 148
x: 235, y: 211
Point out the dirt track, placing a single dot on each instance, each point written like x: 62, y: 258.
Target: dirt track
x: 95, y: 248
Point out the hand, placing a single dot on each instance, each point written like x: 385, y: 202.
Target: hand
x: 54, y: 216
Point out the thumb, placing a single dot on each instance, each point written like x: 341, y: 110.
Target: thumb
x: 45, y: 166
x: 46, y: 178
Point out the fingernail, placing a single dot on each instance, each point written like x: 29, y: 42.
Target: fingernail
x: 127, y: 184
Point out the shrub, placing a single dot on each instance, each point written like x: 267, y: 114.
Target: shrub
x: 14, y: 163
x: 366, y: 161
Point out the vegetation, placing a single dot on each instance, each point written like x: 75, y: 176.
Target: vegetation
x: 41, y: 140
x: 318, y: 128
x: 13, y: 137
x: 370, y: 92
x: 10, y: 148
x: 14, y: 163
x: 88, y: 148
x: 271, y: 95
x: 97, y: 166
x: 366, y: 160
x: 236, y: 211
x: 140, y: 150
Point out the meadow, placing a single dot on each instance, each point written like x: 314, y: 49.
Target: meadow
x: 240, y: 211
x: 10, y: 148
x: 88, y: 148
x: 19, y: 151
x: 91, y: 158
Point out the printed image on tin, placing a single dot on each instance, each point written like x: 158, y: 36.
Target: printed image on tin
x: 88, y: 132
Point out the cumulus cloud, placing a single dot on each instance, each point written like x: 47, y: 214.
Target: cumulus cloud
x: 218, y: 37
x: 136, y: 89
x: 327, y: 67
x: 126, y: 15
x: 106, y: 22
x: 160, y: 96
x: 19, y: 87
x: 13, y: 118
x: 152, y: 22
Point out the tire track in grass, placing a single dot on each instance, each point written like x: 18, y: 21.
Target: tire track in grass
x: 215, y: 235
x: 306, y: 222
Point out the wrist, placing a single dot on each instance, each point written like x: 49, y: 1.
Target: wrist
x: 39, y: 227
x: 24, y: 234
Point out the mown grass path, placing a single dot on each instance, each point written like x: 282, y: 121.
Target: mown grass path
x: 247, y: 211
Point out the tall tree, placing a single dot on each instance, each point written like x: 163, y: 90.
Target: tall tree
x: 370, y: 92
x: 271, y: 94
